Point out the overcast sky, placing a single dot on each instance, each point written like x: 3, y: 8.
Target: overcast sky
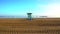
x: 37, y: 7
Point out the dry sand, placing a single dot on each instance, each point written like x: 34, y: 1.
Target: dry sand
x: 24, y: 26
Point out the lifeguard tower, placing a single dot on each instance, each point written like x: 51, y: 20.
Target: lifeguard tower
x: 29, y: 16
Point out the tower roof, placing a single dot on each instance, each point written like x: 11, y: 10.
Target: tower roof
x: 29, y: 13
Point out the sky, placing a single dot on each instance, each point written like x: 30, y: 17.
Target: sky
x: 50, y: 8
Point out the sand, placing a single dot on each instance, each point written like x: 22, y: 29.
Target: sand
x: 24, y: 26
